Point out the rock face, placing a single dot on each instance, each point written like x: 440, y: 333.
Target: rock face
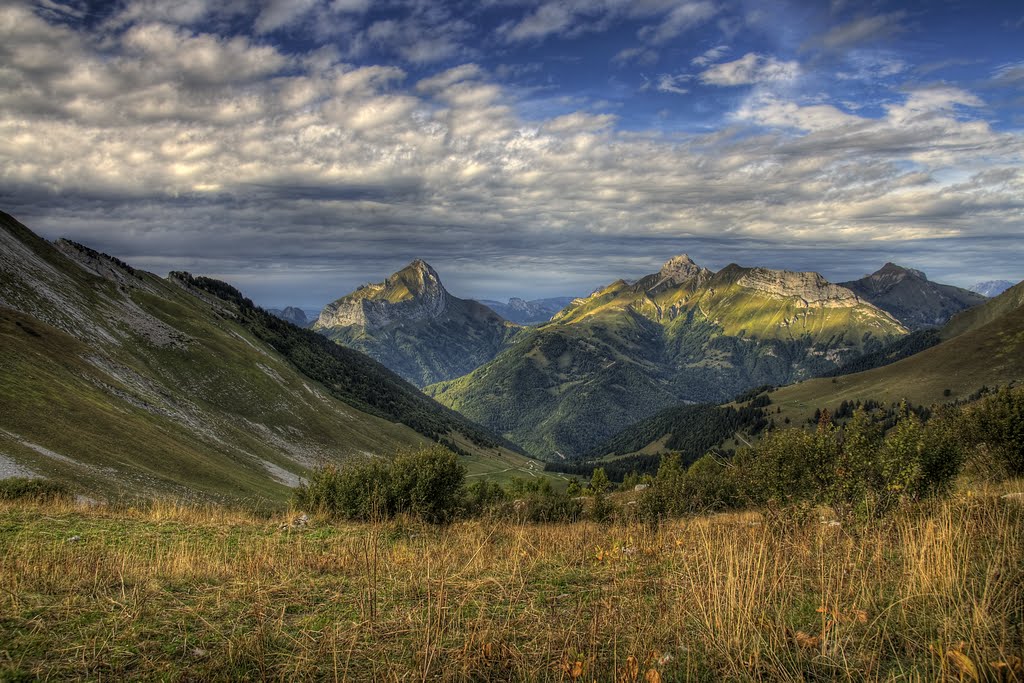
x: 991, y: 288
x: 911, y: 297
x: 412, y: 294
x: 414, y: 326
x: 811, y: 288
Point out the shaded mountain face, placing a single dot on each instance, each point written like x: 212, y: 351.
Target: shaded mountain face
x: 992, y: 288
x: 683, y: 334
x: 528, y: 312
x: 414, y: 326
x: 123, y: 383
x: 911, y: 297
x: 296, y: 316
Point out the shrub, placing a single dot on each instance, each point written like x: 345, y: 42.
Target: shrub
x: 22, y: 488
x: 428, y: 483
x: 484, y: 496
x: 708, y: 485
x: 359, y: 490
x: 859, y: 471
x: 994, y: 427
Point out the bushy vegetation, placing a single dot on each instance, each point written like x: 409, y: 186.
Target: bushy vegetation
x: 880, y: 458
x: 428, y: 484
x: 23, y: 488
x: 995, y: 426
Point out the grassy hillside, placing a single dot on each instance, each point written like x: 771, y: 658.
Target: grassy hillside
x: 983, y: 346
x: 123, y: 383
x: 189, y: 594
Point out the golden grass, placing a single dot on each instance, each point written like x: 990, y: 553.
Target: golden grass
x: 208, y: 593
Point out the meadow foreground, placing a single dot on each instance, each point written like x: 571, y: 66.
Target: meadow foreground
x: 185, y: 593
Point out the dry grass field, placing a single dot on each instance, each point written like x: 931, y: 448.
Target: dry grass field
x: 166, y: 592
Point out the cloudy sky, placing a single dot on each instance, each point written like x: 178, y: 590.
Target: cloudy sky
x: 298, y: 148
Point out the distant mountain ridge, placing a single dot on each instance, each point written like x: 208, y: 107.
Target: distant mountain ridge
x: 682, y: 334
x: 413, y: 325
x: 991, y: 288
x: 528, y: 312
x: 296, y: 316
x: 911, y: 297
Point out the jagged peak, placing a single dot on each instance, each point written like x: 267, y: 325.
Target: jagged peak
x: 678, y: 270
x: 679, y: 264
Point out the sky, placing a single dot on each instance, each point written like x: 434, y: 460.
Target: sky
x: 524, y: 148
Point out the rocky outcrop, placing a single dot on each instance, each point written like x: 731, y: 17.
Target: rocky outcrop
x: 812, y: 288
x: 412, y: 325
x: 412, y: 294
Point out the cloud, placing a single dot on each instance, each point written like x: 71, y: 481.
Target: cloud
x: 547, y: 19
x: 571, y: 18
x: 672, y: 83
x: 863, y: 30
x: 684, y: 17
x: 635, y: 55
x: 1009, y: 74
x: 710, y: 56
x: 174, y: 146
x: 278, y: 14
x: 751, y: 68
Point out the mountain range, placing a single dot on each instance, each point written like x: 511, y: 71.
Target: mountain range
x: 978, y: 348
x: 124, y: 383
x: 683, y: 334
x: 293, y: 314
x: 528, y: 312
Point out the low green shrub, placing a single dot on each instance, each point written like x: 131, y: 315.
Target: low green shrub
x: 23, y: 488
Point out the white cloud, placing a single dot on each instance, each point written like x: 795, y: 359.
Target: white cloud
x: 673, y: 83
x: 751, y: 68
x: 864, y: 30
x: 278, y: 14
x: 710, y: 56
x: 635, y: 55
x: 314, y: 161
x: 682, y: 18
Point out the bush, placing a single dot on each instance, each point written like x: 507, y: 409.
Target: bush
x: 548, y: 506
x: 484, y: 497
x: 860, y: 472
x: 707, y: 485
x: 994, y: 427
x: 428, y: 483
x: 22, y: 488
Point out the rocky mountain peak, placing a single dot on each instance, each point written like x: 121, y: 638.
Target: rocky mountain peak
x: 892, y: 273
x: 679, y: 269
x: 413, y: 293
